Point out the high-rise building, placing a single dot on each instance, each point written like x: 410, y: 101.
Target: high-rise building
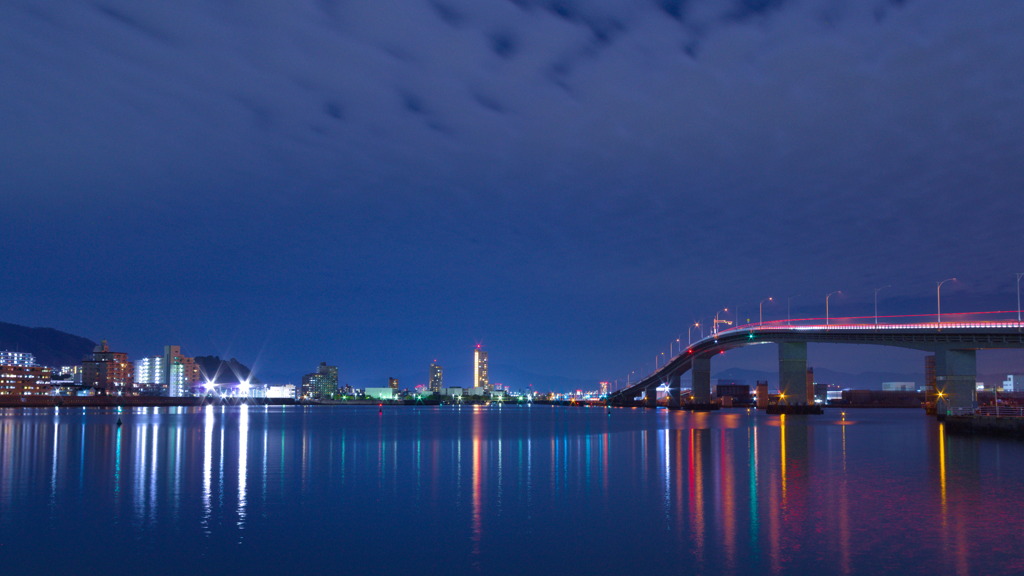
x: 322, y: 384
x: 182, y: 372
x: 480, y: 369
x: 149, y: 376
x: 436, y: 377
x: 393, y: 383
x: 110, y: 372
x: 172, y: 374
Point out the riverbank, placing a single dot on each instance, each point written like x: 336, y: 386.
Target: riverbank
x: 125, y: 401
x: 1012, y: 427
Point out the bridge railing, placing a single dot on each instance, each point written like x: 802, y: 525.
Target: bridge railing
x: 1001, y: 411
x: 1000, y: 319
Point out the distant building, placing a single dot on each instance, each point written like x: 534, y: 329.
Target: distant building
x: 381, y: 393
x: 19, y: 380
x: 282, y: 392
x: 822, y: 392
x: 480, y: 379
x: 740, y: 393
x: 8, y: 358
x: 393, y: 383
x: 172, y: 374
x: 762, y: 394
x: 71, y: 374
x: 436, y: 377
x: 899, y: 386
x: 603, y: 388
x: 182, y: 372
x: 882, y: 398
x: 322, y: 384
x: 149, y: 376
x: 1012, y: 381
x: 110, y: 372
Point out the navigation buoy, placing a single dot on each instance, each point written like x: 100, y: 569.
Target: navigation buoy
x: 381, y: 406
x: 118, y: 421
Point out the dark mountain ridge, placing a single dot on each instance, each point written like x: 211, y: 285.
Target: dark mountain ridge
x: 51, y: 347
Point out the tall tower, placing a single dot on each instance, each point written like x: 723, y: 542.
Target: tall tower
x: 436, y: 377
x: 480, y: 369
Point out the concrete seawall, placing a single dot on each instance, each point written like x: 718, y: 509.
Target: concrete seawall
x: 115, y: 401
x: 987, y: 425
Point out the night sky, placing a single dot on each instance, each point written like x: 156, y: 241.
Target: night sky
x: 570, y: 183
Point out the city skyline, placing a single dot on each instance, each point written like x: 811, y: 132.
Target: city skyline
x: 574, y: 184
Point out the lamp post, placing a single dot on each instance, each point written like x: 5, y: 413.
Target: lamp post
x: 689, y: 333
x: 1019, y: 274
x: 714, y: 329
x: 760, y: 310
x: 938, y: 299
x: 877, y: 290
x: 829, y: 295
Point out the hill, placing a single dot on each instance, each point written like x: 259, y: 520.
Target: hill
x: 51, y: 347
x: 224, y: 371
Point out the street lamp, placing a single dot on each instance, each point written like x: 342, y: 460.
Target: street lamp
x: 829, y: 295
x: 714, y: 329
x: 1019, y: 274
x: 689, y: 333
x: 876, y: 299
x: 760, y: 310
x: 938, y: 298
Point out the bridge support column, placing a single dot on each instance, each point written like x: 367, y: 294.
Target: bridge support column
x: 792, y: 372
x: 701, y: 372
x: 674, y: 393
x: 956, y: 373
x: 651, y: 397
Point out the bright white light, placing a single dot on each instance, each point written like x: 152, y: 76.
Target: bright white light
x: 244, y: 387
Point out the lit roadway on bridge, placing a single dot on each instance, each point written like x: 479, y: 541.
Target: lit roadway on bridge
x: 954, y: 343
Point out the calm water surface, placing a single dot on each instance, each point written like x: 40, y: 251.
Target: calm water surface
x: 538, y: 490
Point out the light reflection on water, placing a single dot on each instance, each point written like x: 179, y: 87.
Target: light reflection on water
x: 506, y: 491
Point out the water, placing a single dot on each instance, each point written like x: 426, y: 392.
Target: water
x: 538, y: 490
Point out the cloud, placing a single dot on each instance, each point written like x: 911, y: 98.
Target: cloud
x: 596, y: 149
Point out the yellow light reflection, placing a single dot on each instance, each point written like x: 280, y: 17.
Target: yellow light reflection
x: 942, y: 470
x: 782, y: 437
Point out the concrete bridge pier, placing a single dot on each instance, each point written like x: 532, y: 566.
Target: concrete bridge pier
x: 651, y: 396
x: 956, y: 374
x: 792, y: 372
x: 674, y: 392
x: 701, y: 372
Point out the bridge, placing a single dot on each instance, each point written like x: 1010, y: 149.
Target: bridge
x: 955, y: 344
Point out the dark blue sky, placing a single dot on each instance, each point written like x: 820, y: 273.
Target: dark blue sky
x: 378, y: 184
